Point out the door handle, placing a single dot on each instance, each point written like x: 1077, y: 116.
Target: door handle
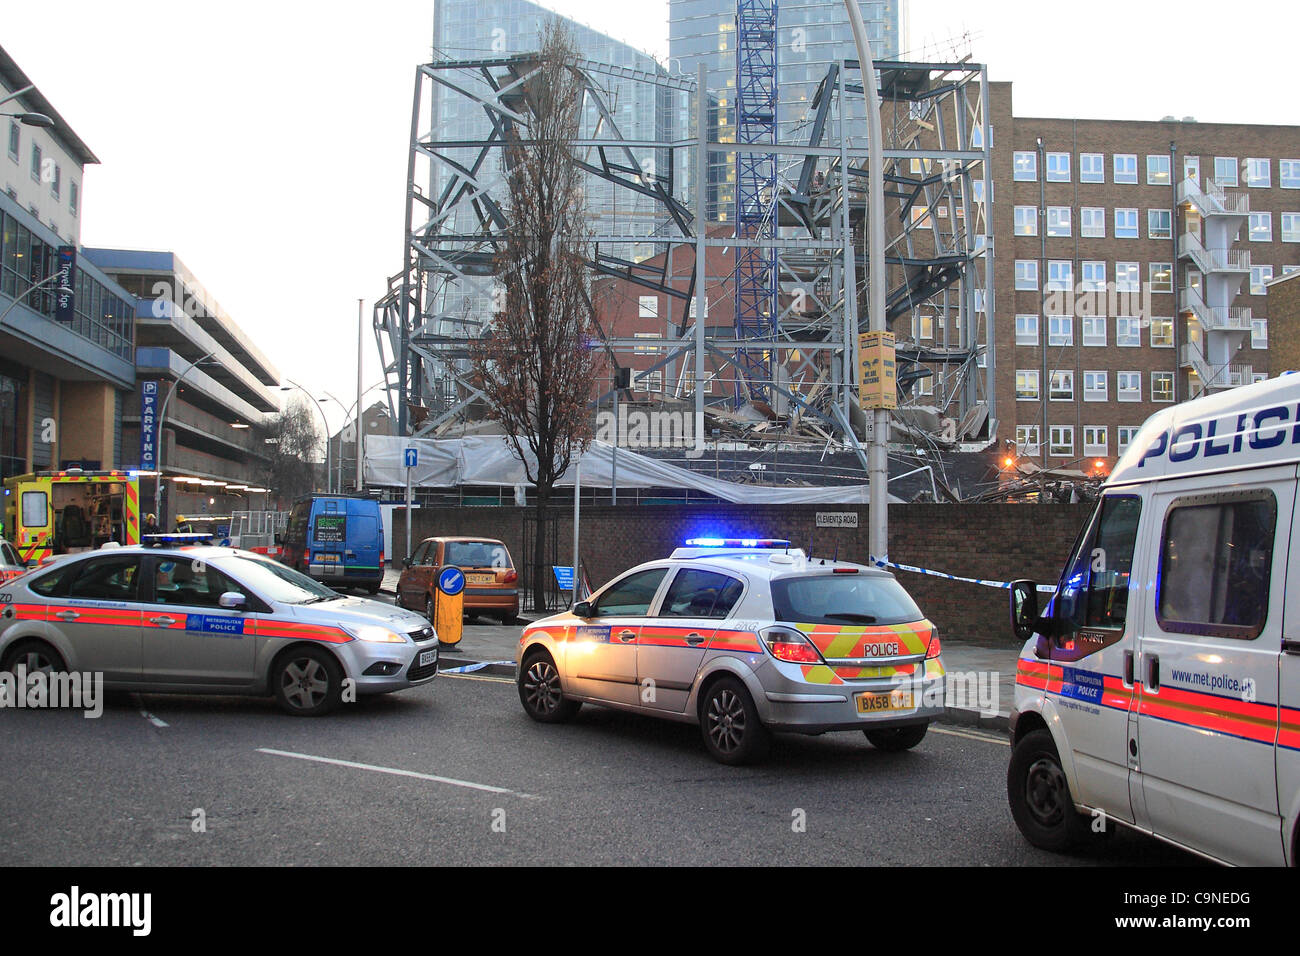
x: 1153, y: 672
x: 627, y: 636
x: 1128, y: 668
x: 1291, y: 647
x: 165, y: 621
x: 67, y: 615
x: 694, y: 640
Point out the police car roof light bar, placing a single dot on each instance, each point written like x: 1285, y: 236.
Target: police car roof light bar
x: 159, y: 540
x: 769, y: 543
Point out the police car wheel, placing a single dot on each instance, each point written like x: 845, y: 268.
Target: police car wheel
x: 897, y: 739
x: 540, y: 691
x: 34, y: 656
x: 1040, y: 796
x: 730, y: 726
x: 307, y: 681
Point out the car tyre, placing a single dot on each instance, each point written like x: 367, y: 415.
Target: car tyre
x: 729, y: 723
x: 307, y: 682
x: 35, y: 656
x: 1040, y: 796
x: 897, y: 739
x: 541, y: 693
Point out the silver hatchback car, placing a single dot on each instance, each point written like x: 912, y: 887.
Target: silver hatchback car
x: 201, y: 619
x: 743, y: 638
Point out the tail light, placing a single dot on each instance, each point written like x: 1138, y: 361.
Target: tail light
x: 509, y: 577
x: 935, y: 648
x: 788, y: 645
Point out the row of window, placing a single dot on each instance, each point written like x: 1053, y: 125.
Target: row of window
x: 1092, y: 276
x: 1128, y: 330
x: 1254, y: 171
x: 1096, y: 440
x: 1160, y: 223
x: 43, y: 169
x: 1096, y: 387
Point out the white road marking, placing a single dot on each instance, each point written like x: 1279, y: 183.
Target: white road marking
x: 396, y: 772
x: 987, y: 738
x: 156, y: 721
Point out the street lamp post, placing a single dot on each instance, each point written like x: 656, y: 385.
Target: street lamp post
x: 356, y: 406
x: 44, y: 282
x: 162, y: 415
x: 329, y: 468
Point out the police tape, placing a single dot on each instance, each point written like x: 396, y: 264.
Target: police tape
x: 1005, y: 585
x: 470, y: 668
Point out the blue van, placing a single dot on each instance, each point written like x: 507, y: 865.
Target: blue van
x: 336, y: 539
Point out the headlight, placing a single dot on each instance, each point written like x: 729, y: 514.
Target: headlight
x: 374, y: 634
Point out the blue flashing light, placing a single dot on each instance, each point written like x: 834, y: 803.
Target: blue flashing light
x: 178, y: 538
x: 774, y: 543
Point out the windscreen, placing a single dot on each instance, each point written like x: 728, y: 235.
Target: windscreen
x: 275, y: 581
x: 843, y: 599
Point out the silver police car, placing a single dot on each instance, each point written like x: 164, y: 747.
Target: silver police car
x: 167, y: 617
x: 743, y: 637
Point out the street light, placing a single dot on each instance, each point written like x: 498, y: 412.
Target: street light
x: 346, y: 416
x: 39, y: 120
x: 329, y: 475
x: 162, y: 415
x: 44, y: 282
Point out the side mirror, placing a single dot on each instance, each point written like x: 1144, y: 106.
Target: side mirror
x: 406, y: 562
x: 583, y: 610
x: 1024, y: 608
x: 233, y: 601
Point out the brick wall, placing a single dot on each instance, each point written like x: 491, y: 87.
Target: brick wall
x: 1284, y: 322
x: 990, y: 541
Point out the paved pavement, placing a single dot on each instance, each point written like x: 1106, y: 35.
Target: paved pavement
x: 982, y: 677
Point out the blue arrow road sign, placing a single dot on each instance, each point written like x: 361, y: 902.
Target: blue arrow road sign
x: 412, y: 457
x: 451, y: 581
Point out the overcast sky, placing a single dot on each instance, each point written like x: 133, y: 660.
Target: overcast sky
x: 265, y: 142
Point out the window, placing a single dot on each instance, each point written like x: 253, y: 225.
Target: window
x: 1094, y: 386
x: 1026, y: 330
x: 1026, y: 274
x: 1126, y: 167
x: 57, y: 182
x: 1058, y: 220
x: 1291, y: 227
x: 73, y: 190
x: 834, y: 598
x: 1259, y: 333
x: 1061, y: 388
x: 1162, y: 386
x: 36, y: 508
x: 630, y: 596
x: 1160, y: 276
x: 1027, y: 440
x: 1026, y: 218
x: 1124, y: 437
x: 1160, y: 223
x: 1261, y: 227
x: 976, y: 192
x: 1157, y: 170
x: 1060, y: 275
x: 184, y: 583
x: 1094, y: 330
x: 36, y: 162
x: 1128, y: 331
x: 645, y: 349
x: 15, y: 140
x: 1096, y: 441
x: 1095, y: 593
x: 1126, y: 223
x: 1092, y: 168
x: 1128, y: 277
x: 1025, y: 167
x: 648, y: 306
x: 1260, y: 276
x: 651, y: 381
x: 925, y: 326
x: 1259, y: 172
x: 1027, y: 384
x: 1128, y: 386
x: 1215, y: 565
x: 106, y: 579
x: 1062, y: 443
x: 1192, y: 169
x: 697, y: 593
x: 1162, y: 333
x: 1092, y: 276
x: 1058, y: 167
x: 1060, y: 330
x: 1092, y: 222
x: 1288, y: 173
x: 1225, y: 170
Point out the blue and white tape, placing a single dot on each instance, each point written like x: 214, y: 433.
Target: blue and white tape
x: 470, y: 668
x: 1005, y: 585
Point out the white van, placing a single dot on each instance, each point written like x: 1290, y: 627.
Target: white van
x: 1159, y: 690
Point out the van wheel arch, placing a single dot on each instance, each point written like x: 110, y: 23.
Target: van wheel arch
x: 1027, y: 723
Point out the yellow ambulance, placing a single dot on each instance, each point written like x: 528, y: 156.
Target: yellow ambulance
x: 62, y: 512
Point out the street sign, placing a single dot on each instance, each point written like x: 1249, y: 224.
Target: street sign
x: 563, y: 577
x: 412, y: 457
x: 837, y: 519
x: 65, y: 286
x: 148, y: 425
x: 451, y: 581
x: 877, y: 373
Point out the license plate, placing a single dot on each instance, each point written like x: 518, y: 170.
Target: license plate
x: 328, y: 558
x: 428, y: 657
x: 481, y: 578
x: 879, y: 703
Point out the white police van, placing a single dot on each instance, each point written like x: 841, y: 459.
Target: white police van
x: 1161, y: 688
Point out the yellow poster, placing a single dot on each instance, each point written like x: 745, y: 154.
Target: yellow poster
x: 877, y: 372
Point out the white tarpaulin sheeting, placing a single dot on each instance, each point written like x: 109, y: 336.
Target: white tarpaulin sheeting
x: 489, y: 460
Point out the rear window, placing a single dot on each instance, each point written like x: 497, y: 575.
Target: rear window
x: 843, y: 599
x: 475, y: 554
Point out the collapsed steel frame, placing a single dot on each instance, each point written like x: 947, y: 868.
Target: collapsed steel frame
x: 939, y: 256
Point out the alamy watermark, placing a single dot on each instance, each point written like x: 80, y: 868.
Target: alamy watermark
x: 72, y: 690
x: 646, y: 428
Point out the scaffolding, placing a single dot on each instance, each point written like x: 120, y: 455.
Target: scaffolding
x: 807, y: 221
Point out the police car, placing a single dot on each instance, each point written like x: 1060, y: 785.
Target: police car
x: 174, y: 616
x: 1161, y: 688
x: 743, y: 637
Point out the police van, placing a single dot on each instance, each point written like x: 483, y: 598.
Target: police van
x: 1160, y: 688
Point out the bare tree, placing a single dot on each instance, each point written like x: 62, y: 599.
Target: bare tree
x: 292, y: 469
x: 536, y: 365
